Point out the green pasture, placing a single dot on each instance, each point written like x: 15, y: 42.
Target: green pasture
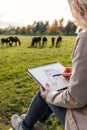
x: 16, y: 87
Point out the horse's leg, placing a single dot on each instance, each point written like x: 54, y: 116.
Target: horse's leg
x: 10, y: 44
x: 39, y: 44
x: 57, y: 44
x: 43, y: 44
x: 6, y: 44
x: 36, y: 44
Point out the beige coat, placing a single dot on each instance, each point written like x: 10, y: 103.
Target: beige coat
x: 74, y: 98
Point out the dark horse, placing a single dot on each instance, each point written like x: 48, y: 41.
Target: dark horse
x: 59, y: 41
x: 35, y: 41
x: 5, y: 40
x: 53, y: 40
x: 44, y: 41
x: 14, y: 40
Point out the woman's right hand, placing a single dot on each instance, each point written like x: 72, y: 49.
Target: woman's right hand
x: 67, y: 72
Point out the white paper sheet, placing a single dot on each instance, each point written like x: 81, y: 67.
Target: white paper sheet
x: 45, y: 74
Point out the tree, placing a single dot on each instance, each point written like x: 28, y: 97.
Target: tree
x: 1, y: 31
x: 39, y: 27
x: 23, y: 30
x: 54, y: 28
x: 18, y: 30
x: 29, y: 29
x: 70, y: 28
x: 61, y: 25
x: 47, y: 27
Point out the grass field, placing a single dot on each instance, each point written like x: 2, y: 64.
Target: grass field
x: 16, y: 87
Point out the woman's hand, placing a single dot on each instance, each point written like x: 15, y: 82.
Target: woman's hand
x: 67, y: 72
x: 44, y: 92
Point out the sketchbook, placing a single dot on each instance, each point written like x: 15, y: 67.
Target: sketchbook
x: 51, y: 74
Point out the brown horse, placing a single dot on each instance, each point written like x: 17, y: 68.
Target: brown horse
x: 35, y: 41
x: 44, y: 41
x: 14, y: 40
x: 5, y: 41
x: 53, y: 41
x: 59, y: 41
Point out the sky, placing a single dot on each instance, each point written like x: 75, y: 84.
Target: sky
x: 25, y: 12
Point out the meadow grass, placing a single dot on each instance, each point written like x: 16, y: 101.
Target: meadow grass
x: 16, y: 87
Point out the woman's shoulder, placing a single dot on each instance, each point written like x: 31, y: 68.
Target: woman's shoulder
x: 83, y: 33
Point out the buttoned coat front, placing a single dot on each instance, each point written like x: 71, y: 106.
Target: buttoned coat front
x: 74, y: 98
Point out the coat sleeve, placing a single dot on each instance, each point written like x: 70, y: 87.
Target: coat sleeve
x: 75, y: 94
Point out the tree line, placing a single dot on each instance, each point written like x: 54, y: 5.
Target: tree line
x: 42, y: 28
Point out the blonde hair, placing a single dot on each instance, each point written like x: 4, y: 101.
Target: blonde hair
x: 79, y: 12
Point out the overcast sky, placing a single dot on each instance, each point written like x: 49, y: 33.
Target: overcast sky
x: 25, y: 12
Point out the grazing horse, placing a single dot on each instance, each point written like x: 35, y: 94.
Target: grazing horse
x: 59, y: 40
x: 5, y: 40
x: 14, y: 39
x: 35, y: 41
x: 53, y: 40
x: 44, y: 41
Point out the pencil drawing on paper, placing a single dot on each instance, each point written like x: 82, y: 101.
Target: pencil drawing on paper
x: 53, y: 79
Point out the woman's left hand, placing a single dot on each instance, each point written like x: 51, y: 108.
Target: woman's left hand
x: 44, y: 92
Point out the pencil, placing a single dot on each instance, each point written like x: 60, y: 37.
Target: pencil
x: 57, y: 75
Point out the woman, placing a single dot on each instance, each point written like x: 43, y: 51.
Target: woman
x: 69, y: 105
